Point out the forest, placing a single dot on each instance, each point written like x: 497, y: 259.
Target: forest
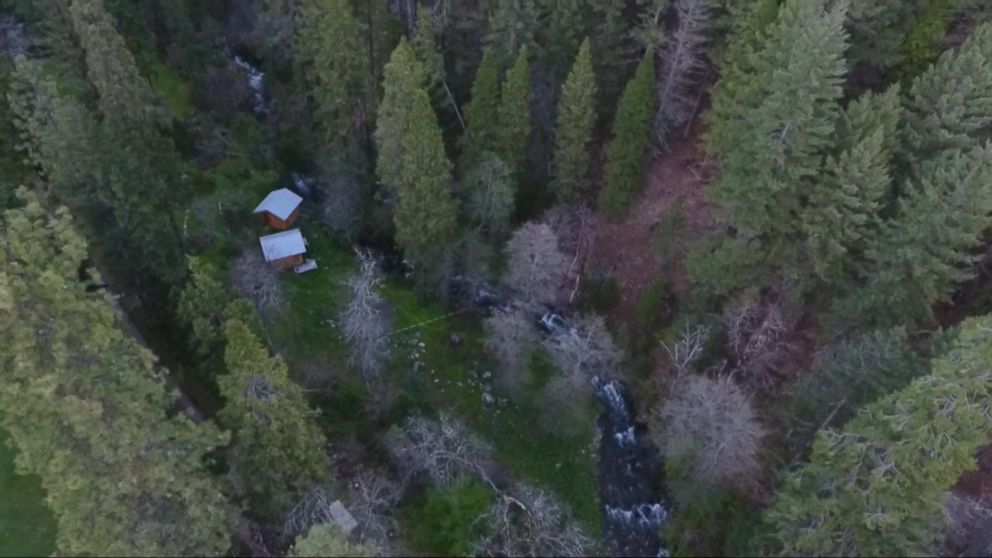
x: 316, y: 278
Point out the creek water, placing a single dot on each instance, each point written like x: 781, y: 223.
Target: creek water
x: 256, y: 82
x: 629, y: 476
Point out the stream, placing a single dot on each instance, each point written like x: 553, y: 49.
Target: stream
x: 629, y: 478
x: 256, y: 82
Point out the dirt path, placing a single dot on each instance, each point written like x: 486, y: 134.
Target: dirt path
x: 627, y: 250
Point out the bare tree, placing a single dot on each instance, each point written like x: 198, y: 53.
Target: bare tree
x: 511, y: 338
x: 372, y: 496
x: 709, y: 427
x: 313, y: 509
x: 491, y: 193
x: 440, y: 450
x: 536, y: 267
x: 683, y: 68
x: 256, y: 280
x: 365, y: 320
x: 756, y: 337
x: 584, y: 350
x: 576, y: 229
x: 532, y: 523
x: 687, y: 349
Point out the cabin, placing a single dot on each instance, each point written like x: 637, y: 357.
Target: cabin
x: 280, y: 208
x: 284, y: 249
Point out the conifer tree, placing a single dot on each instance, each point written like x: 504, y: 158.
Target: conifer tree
x: 775, y: 122
x: 625, y: 154
x: 876, y: 486
x: 562, y: 35
x: 513, y: 25
x: 331, y: 40
x: 950, y: 105
x: 573, y: 136
x: 277, y: 448
x: 139, y: 165
x: 843, y: 210
x: 514, y: 129
x: 482, y: 114
x: 86, y: 407
x: 610, y: 42
x: 402, y: 77
x: 879, y: 29
x: 426, y: 215
x: 925, y: 250
x: 424, y: 43
x: 328, y: 541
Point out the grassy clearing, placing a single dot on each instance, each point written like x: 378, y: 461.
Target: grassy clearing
x: 26, y: 525
x: 449, y: 378
x: 173, y: 89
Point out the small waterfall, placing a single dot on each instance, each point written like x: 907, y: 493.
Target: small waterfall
x: 629, y: 471
x: 256, y: 82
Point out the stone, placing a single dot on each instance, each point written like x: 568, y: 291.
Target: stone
x: 455, y: 339
x: 488, y: 398
x: 487, y: 375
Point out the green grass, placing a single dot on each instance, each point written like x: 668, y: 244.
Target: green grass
x: 26, y: 525
x: 173, y: 89
x: 449, y: 380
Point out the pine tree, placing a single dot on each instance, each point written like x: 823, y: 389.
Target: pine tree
x: 277, y: 448
x: 878, y: 30
x: 843, y: 210
x: 139, y: 165
x: 482, y: 114
x: 774, y: 123
x: 576, y: 119
x: 513, y: 25
x: 203, y: 306
x: 876, y: 487
x: 424, y: 43
x: 426, y: 215
x: 562, y: 35
x: 625, y: 154
x: 610, y: 42
x: 514, y: 129
x: 86, y: 407
x: 950, y: 105
x: 402, y: 77
x: 924, y: 252
x: 332, y: 41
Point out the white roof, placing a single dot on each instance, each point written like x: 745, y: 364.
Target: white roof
x: 282, y: 245
x: 280, y: 203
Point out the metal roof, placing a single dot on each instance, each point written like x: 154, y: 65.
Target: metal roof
x: 280, y: 203
x: 282, y: 245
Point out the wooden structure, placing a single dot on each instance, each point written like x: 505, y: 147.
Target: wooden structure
x: 280, y: 208
x: 284, y: 249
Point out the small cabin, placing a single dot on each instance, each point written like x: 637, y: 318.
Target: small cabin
x: 280, y: 208
x: 284, y: 249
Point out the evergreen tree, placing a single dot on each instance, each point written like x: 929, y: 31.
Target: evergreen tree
x: 139, y: 164
x: 876, y: 487
x: 513, y: 133
x: 774, y: 123
x: 566, y: 26
x: 332, y: 41
x: 924, y: 252
x: 424, y: 43
x: 277, y: 448
x: 950, y: 105
x: 610, y: 42
x: 403, y: 76
x: 576, y: 120
x: 879, y: 29
x: 922, y: 45
x: 203, y: 306
x: 625, y: 154
x: 426, y: 215
x: 513, y: 25
x: 328, y: 541
x: 482, y: 114
x: 843, y: 211
x: 86, y: 407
